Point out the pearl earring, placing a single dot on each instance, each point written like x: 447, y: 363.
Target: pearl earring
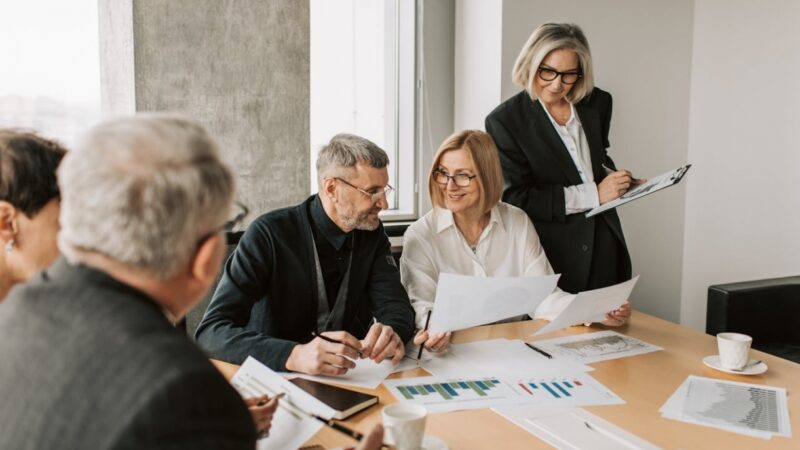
x: 9, y: 246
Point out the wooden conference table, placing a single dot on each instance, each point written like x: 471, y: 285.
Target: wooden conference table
x: 645, y: 382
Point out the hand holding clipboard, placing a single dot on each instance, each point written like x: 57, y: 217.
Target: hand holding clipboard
x: 655, y: 184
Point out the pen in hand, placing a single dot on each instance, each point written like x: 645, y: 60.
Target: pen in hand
x: 333, y: 341
x: 422, y: 345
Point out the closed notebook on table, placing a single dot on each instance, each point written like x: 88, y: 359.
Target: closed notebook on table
x: 344, y: 401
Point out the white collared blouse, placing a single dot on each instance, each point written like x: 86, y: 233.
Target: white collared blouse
x: 508, y: 247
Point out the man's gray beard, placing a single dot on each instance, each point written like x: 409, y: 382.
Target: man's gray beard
x: 358, y: 223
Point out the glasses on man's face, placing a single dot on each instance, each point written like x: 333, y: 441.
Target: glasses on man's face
x: 374, y: 197
x: 241, y: 212
x: 460, y: 179
x: 548, y: 74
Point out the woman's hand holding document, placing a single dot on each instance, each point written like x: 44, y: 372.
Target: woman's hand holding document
x: 591, y: 306
x: 466, y: 301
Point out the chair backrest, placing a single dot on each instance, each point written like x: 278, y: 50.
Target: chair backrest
x: 768, y: 310
x: 195, y: 315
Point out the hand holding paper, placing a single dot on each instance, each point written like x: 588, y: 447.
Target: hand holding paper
x: 591, y: 306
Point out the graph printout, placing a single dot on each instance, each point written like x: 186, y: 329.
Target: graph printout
x: 751, y: 409
x: 440, y: 394
x: 593, y: 347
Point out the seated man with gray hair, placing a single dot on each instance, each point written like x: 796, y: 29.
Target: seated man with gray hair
x: 90, y: 358
x: 312, y: 288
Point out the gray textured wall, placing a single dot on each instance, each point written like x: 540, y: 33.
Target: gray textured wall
x: 239, y: 67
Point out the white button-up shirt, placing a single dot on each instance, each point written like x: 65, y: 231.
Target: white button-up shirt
x: 584, y: 196
x: 508, y: 247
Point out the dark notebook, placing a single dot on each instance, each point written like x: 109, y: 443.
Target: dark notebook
x: 344, y: 401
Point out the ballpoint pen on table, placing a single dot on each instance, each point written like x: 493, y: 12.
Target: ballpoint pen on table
x: 537, y: 349
x: 422, y: 345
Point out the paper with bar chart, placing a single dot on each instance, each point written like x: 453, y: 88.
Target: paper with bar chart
x: 440, y: 394
x: 750, y: 409
x: 592, y: 347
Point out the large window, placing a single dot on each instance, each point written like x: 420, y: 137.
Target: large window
x: 50, y: 76
x: 362, y: 82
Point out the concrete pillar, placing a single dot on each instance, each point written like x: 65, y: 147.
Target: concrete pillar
x: 239, y: 67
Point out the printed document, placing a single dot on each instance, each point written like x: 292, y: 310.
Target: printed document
x: 593, y: 347
x: 591, y: 306
x: 291, y: 425
x: 750, y: 409
x: 464, y: 301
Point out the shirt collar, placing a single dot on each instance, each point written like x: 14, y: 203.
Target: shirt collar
x: 444, y: 219
x: 325, y: 226
x: 573, y: 117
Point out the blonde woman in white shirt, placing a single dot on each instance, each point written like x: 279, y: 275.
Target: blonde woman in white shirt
x: 470, y: 231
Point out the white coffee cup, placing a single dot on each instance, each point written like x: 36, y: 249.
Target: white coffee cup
x: 404, y: 424
x: 734, y: 350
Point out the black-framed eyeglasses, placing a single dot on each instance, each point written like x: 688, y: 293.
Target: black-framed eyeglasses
x: 231, y: 225
x: 460, y: 179
x: 374, y: 197
x: 548, y: 74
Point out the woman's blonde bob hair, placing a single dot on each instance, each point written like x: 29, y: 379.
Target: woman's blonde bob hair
x: 483, y: 152
x: 545, y: 39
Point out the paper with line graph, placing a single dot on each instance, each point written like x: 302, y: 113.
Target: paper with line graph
x: 439, y: 394
x: 592, y: 347
x: 289, y: 428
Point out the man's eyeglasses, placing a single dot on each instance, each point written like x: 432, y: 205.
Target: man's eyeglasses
x: 460, y: 179
x: 229, y: 226
x: 374, y: 197
x: 566, y: 77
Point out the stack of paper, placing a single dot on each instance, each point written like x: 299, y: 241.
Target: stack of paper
x: 750, y: 409
x: 572, y: 428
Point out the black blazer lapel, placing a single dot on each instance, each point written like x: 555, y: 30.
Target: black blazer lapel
x: 544, y: 128
x: 590, y: 121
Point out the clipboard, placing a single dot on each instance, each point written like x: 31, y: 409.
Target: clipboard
x: 652, y: 185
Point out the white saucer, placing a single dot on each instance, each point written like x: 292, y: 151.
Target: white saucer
x: 754, y: 369
x: 433, y: 443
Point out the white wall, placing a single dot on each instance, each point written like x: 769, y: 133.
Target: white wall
x: 642, y: 55
x: 743, y: 199
x: 477, y: 61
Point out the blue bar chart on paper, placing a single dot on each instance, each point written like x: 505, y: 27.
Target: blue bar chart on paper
x: 449, y: 394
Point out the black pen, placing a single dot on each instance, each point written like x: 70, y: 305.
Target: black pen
x: 333, y: 341
x: 422, y: 346
x: 533, y: 347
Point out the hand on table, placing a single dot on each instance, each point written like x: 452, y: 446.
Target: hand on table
x: 615, y: 184
x: 382, y: 342
x: 434, y: 342
x: 262, y: 409
x: 619, y: 316
x: 322, y: 357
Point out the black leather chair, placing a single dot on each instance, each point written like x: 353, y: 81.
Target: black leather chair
x: 768, y: 310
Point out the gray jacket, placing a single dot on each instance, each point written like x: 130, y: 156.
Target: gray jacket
x: 87, y: 362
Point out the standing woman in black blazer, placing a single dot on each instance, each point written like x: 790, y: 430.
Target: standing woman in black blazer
x: 553, y: 139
